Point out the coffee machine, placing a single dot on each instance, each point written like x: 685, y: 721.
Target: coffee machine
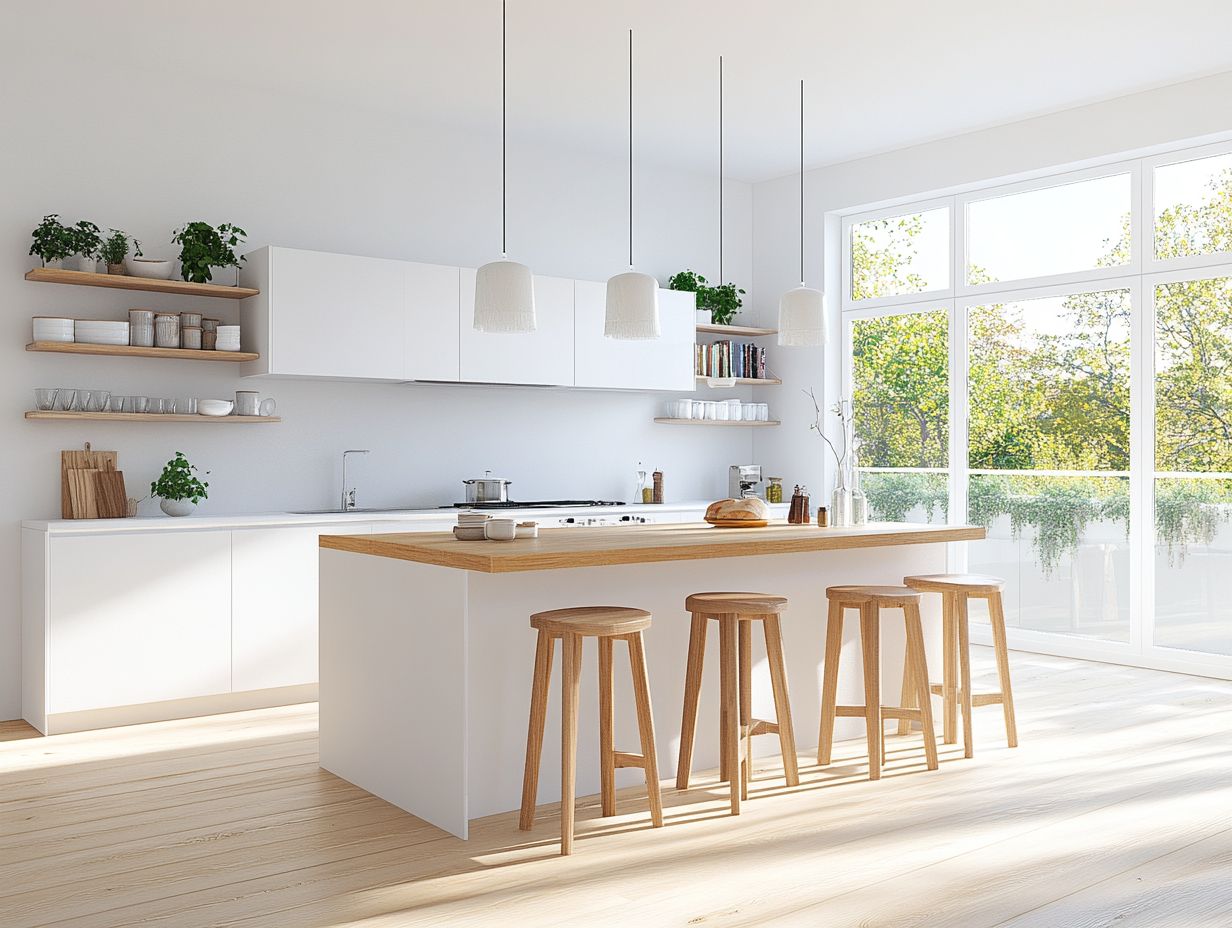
x: 743, y: 480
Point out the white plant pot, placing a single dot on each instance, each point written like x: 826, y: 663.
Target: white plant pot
x: 703, y: 317
x: 54, y: 264
x: 86, y: 263
x: 177, y: 507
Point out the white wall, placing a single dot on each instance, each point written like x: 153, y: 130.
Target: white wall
x: 132, y: 148
x: 1161, y: 117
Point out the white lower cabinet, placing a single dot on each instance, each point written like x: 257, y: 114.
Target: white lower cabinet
x: 273, y: 607
x: 138, y: 618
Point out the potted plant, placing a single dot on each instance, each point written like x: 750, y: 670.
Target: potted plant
x: 715, y: 305
x: 52, y: 241
x: 692, y: 282
x: 115, y: 249
x: 203, y: 247
x: 178, y: 488
x: 87, y: 243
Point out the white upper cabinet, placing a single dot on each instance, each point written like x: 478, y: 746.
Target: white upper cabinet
x: 432, y: 322
x: 665, y: 363
x: 544, y: 356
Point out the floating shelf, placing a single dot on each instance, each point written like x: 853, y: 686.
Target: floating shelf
x: 126, y: 282
x: 132, y: 351
x: 744, y: 331
x: 729, y: 423
x: 146, y: 417
x: 746, y: 381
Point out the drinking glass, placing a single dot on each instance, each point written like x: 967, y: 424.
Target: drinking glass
x: 186, y: 406
x: 67, y: 399
x: 85, y: 400
x: 99, y: 400
x: 138, y: 404
x: 158, y: 405
x: 116, y: 404
x: 44, y: 398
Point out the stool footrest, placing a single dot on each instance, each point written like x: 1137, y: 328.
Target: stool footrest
x: 622, y: 759
x: 763, y: 727
x: 977, y: 699
x: 850, y: 712
x: 902, y: 714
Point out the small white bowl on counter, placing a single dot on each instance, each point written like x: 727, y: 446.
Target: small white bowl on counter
x: 468, y: 532
x: 215, y: 407
x: 500, y: 530
x: 527, y: 530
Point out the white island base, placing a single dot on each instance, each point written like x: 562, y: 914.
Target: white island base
x: 425, y: 670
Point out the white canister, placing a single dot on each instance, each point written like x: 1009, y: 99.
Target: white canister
x: 247, y: 403
x: 500, y: 529
x: 167, y: 330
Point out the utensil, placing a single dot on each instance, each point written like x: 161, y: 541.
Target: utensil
x: 44, y: 398
x: 215, y: 407
x: 486, y: 489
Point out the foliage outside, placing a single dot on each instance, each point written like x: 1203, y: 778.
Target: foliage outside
x: 179, y: 481
x: 1048, y: 389
x: 723, y: 301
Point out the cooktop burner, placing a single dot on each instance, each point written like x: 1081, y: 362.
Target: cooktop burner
x: 537, y: 504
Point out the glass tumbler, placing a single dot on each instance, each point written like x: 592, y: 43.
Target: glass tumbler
x: 44, y: 398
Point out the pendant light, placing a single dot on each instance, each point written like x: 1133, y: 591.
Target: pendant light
x: 802, y: 310
x: 504, y: 289
x: 632, y: 298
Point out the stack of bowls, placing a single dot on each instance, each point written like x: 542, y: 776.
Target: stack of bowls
x: 228, y: 338
x: 470, y: 526
x: 53, y: 329
x: 100, y: 332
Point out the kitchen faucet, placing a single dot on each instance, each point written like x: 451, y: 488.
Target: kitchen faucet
x: 348, y: 493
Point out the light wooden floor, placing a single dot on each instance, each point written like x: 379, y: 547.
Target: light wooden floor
x: 1116, y: 810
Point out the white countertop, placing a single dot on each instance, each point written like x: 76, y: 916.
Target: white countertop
x: 161, y: 523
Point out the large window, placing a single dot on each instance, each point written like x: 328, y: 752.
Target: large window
x: 1052, y: 360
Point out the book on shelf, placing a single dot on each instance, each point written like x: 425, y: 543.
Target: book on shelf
x: 728, y: 358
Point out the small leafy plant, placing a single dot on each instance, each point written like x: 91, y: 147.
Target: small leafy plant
x: 178, y: 481
x: 203, y: 247
x: 87, y: 239
x: 723, y: 301
x: 51, y: 240
x: 115, y: 247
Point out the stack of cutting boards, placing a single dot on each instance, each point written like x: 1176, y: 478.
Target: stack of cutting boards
x: 91, y: 487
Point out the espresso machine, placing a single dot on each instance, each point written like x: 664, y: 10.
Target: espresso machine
x: 743, y: 480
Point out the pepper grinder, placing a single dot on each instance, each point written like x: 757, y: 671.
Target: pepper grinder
x: 657, y: 478
x: 793, y: 511
x: 805, y: 509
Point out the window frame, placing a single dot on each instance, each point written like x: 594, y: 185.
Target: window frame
x: 887, y: 212
x: 1151, y: 264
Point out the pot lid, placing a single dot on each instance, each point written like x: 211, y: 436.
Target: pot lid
x: 487, y: 476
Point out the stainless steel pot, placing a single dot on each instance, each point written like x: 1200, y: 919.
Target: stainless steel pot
x: 486, y: 489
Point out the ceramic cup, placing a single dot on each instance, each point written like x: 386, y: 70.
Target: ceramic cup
x: 500, y: 529
x: 247, y: 403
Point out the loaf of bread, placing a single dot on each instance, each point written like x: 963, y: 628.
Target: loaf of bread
x: 749, y: 509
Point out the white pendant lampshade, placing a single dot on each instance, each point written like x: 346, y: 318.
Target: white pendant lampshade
x: 504, y: 297
x: 802, y: 318
x: 632, y: 306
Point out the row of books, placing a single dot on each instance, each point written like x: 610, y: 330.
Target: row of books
x: 727, y: 358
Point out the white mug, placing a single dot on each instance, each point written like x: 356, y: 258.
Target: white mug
x: 247, y: 402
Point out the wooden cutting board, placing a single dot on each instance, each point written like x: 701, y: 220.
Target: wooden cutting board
x: 82, y: 502
x: 87, y: 459
x: 110, y: 497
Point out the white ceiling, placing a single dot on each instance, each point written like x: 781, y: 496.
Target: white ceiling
x: 880, y: 75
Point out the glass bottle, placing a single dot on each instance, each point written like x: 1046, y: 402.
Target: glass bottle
x: 840, y: 499
x: 859, y: 502
x: 774, y: 490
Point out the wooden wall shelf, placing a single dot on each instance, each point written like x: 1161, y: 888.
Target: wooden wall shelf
x: 145, y: 284
x: 735, y: 331
x: 145, y: 417
x: 728, y: 423
x: 132, y: 351
x: 746, y: 381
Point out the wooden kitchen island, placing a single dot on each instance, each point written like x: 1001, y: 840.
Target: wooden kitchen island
x: 426, y: 652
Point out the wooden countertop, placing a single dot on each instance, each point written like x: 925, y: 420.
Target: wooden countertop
x: 638, y: 544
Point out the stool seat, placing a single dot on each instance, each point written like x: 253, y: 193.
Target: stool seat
x: 745, y: 605
x: 951, y: 583
x: 597, y: 621
x: 880, y: 595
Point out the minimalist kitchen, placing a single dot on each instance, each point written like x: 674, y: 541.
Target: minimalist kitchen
x: 524, y: 463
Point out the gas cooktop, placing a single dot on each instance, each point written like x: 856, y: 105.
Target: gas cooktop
x: 537, y: 504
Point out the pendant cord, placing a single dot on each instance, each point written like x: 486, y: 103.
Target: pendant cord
x: 630, y: 148
x: 504, y: 195
x: 720, y: 170
x: 801, y: 182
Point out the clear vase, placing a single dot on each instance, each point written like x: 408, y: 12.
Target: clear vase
x: 840, y: 501
x: 859, y: 502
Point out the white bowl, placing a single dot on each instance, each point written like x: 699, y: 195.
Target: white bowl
x: 527, y: 530
x: 100, y: 332
x: 468, y: 533
x: 47, y: 329
x: 215, y: 407
x: 149, y: 267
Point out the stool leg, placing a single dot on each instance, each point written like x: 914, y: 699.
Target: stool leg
x: 870, y: 640
x: 692, y: 689
x: 949, y: 688
x: 645, y: 725
x: 534, y: 735
x: 730, y: 700
x: 964, y: 670
x: 908, y: 697
x: 571, y: 659
x: 744, y: 649
x: 607, y: 759
x: 997, y: 615
x: 829, y: 681
x: 919, y: 677
x: 782, y: 705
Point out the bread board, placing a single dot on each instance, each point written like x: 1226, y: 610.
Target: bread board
x: 739, y: 523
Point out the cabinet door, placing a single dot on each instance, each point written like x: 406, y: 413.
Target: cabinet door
x: 337, y: 316
x: 274, y: 607
x: 139, y: 618
x: 544, y: 356
x: 432, y: 293
x: 664, y: 363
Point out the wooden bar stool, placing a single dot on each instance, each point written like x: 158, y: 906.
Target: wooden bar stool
x: 955, y: 690
x: 870, y: 600
x: 735, y: 612
x: 608, y: 624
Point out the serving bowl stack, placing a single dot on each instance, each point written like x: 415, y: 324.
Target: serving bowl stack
x: 53, y: 329
x: 228, y: 338
x: 470, y: 526
x: 100, y: 332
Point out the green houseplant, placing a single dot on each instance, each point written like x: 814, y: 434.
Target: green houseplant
x: 203, y: 247
x: 115, y: 249
x: 52, y: 241
x: 717, y: 305
x: 87, y: 243
x: 178, y: 488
